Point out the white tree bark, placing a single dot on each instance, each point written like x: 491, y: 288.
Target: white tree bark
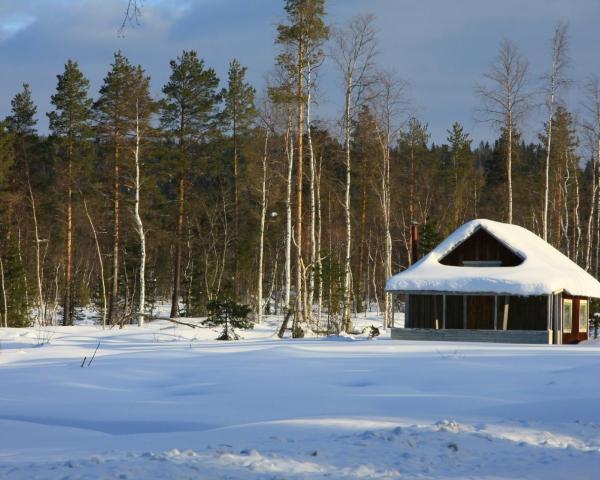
x: 263, y: 216
x: 4, y: 296
x: 308, y: 309
x: 139, y: 226
x: 354, y: 53
x: 555, y: 81
x: 319, y: 264
x: 38, y: 267
x: 288, y: 218
x: 101, y: 264
x: 505, y: 101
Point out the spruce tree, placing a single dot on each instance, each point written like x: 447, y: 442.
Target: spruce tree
x: 461, y: 160
x: 230, y: 315
x: 189, y: 108
x: 70, y: 121
x: 22, y: 120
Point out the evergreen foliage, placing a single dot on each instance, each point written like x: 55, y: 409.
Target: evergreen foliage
x: 229, y: 315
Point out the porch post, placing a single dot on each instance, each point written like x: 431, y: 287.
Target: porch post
x: 505, y: 314
x: 495, y: 312
x: 549, y: 318
x: 393, y: 309
x: 465, y: 312
x: 444, y: 312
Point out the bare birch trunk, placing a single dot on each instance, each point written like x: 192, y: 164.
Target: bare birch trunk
x: 114, y: 294
x: 289, y: 145
x: 319, y: 264
x: 299, y: 313
x: 347, y: 321
x: 101, y: 263
x: 67, y: 319
x: 138, y: 222
x: 4, y: 296
x: 555, y: 81
x: 38, y: 241
x: 263, y: 215
x: 313, y: 247
x: 509, y: 168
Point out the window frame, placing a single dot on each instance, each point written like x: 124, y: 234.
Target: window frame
x: 583, y: 302
x: 569, y: 302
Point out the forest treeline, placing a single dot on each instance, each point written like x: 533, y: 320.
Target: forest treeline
x: 214, y: 191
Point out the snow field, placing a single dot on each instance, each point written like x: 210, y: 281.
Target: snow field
x: 167, y: 401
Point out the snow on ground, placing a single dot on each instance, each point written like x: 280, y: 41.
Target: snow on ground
x: 167, y: 401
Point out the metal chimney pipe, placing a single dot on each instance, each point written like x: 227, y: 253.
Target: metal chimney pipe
x: 414, y: 242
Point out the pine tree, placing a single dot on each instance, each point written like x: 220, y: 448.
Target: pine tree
x: 189, y: 109
x: 70, y: 121
x: 237, y: 117
x: 113, y: 111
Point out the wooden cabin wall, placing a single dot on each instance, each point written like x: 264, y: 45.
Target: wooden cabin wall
x: 481, y: 246
x: 455, y: 305
x: 423, y: 310
x: 524, y: 313
x: 575, y: 336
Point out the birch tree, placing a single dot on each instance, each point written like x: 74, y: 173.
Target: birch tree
x: 591, y: 129
x: 505, y: 101
x: 354, y: 52
x: 555, y: 82
x: 263, y: 216
x: 387, y: 107
x: 144, y: 108
x: 302, y: 38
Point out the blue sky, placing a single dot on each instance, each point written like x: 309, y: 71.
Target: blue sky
x: 441, y: 47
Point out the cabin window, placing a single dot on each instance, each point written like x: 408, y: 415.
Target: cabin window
x: 482, y: 263
x: 583, y: 315
x: 567, y: 315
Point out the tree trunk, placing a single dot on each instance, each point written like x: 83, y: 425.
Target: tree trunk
x: 114, y: 294
x: 313, y: 243
x: 178, y: 248
x: 347, y: 311
x: 289, y: 142
x: 263, y: 215
x: 298, y: 313
x: 509, y: 168
x: 4, y: 296
x: 38, y: 241
x: 101, y: 263
x: 138, y: 223
x: 67, y: 307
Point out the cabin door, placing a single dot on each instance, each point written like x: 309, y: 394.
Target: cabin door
x: 480, y: 312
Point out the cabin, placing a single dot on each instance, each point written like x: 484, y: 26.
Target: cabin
x: 494, y: 282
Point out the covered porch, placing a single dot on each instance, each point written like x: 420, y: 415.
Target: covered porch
x: 488, y: 317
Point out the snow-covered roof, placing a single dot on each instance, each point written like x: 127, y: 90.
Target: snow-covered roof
x: 544, y: 270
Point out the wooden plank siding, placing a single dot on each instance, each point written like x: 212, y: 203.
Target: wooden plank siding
x: 575, y: 336
x: 481, y: 246
x: 524, y: 313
